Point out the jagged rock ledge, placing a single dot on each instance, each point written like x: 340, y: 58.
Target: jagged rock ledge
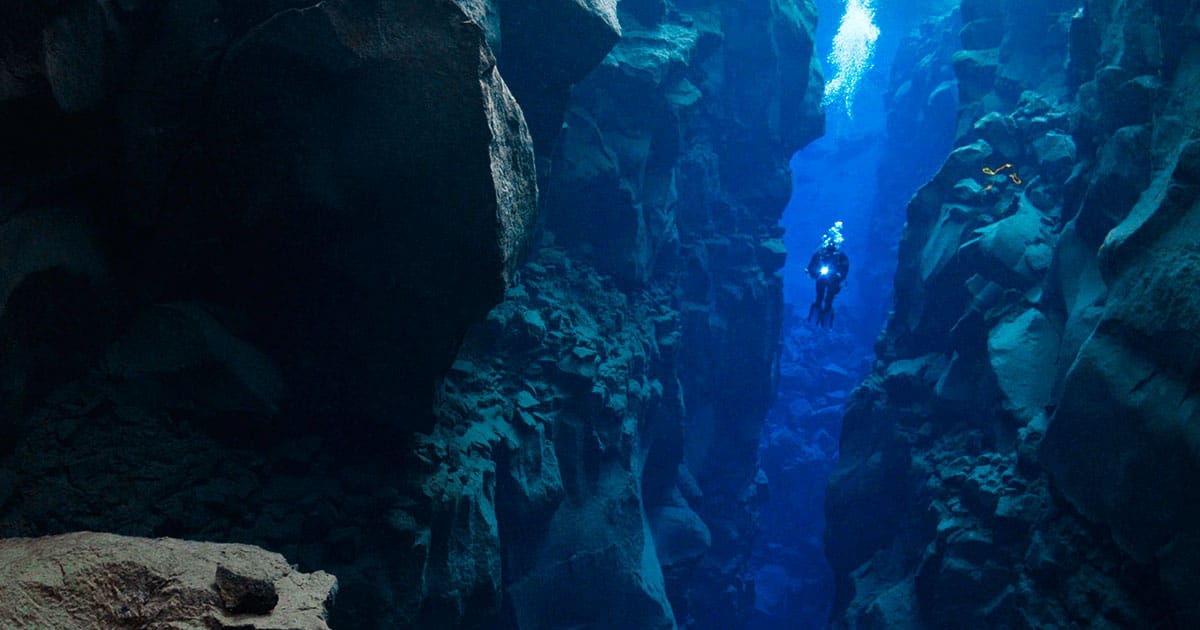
x: 89, y: 580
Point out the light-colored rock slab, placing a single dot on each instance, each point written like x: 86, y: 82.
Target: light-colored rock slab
x: 98, y: 581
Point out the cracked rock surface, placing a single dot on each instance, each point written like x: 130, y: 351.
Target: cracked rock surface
x: 93, y: 581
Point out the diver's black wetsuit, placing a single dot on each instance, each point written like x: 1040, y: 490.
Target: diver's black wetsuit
x: 837, y: 265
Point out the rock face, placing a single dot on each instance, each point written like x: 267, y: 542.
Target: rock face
x: 1019, y: 455
x: 87, y: 580
x: 243, y: 246
x: 922, y: 95
x: 334, y: 274
x: 549, y: 419
x: 751, y: 68
x: 595, y: 461
x: 239, y: 247
x: 549, y: 45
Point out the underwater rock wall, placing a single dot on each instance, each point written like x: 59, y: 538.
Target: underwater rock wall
x: 598, y: 434
x: 922, y: 96
x: 1020, y: 455
x: 353, y: 179
x: 241, y: 246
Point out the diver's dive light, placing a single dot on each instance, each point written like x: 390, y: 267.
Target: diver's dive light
x: 825, y: 271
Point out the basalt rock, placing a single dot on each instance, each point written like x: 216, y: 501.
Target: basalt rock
x: 922, y: 95
x: 548, y: 419
x: 1031, y: 472
x: 245, y: 595
x: 429, y: 115
x: 1131, y: 396
x: 89, y: 580
x: 239, y: 245
x: 199, y: 96
x: 279, y: 220
x: 631, y: 123
x: 584, y: 469
x: 179, y: 355
x: 56, y: 307
x: 1028, y: 50
x: 548, y: 46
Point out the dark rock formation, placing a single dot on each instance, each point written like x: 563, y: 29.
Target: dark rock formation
x: 701, y: 119
x: 242, y: 595
x: 922, y: 95
x: 101, y: 581
x: 548, y: 46
x: 595, y: 459
x: 399, y: 197
x: 239, y: 246
x: 242, y: 244
x: 535, y: 471
x: 1018, y: 456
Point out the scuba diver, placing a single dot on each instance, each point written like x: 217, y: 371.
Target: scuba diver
x: 828, y: 266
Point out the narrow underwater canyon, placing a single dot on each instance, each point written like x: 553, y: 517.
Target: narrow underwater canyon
x: 251, y: 259
x: 478, y: 306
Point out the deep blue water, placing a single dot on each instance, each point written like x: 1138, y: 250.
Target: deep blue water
x: 836, y: 178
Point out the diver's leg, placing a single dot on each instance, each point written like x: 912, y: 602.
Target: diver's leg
x: 815, y: 309
x: 827, y: 307
x: 829, y: 295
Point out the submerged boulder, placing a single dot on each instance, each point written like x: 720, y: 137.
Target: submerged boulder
x: 1122, y: 172
x: 402, y: 189
x: 1000, y: 132
x: 55, y: 303
x: 549, y: 45
x: 182, y: 353
x: 1055, y: 154
x: 680, y: 536
x: 1014, y: 251
x: 1023, y: 352
x: 353, y: 178
x: 976, y: 71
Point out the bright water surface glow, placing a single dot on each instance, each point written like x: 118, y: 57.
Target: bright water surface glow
x: 853, y: 49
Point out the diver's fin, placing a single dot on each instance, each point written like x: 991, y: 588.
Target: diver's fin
x: 825, y: 318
